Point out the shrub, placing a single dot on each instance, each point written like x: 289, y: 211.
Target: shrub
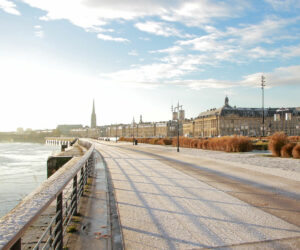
x: 277, y: 141
x: 167, y: 141
x: 294, y: 138
x: 286, y: 150
x: 194, y: 143
x: 296, y: 151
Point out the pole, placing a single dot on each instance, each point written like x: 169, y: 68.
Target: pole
x: 177, y: 135
x: 116, y: 133
x: 263, y: 110
x: 133, y: 134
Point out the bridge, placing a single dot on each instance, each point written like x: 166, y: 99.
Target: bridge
x: 124, y: 196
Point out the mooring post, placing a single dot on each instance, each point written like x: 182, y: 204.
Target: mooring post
x: 58, y: 232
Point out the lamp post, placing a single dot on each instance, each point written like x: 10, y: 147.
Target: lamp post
x: 263, y: 110
x: 116, y: 133
x: 132, y: 133
x: 177, y: 135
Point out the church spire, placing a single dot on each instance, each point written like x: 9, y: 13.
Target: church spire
x: 93, y: 117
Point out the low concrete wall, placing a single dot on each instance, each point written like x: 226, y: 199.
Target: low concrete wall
x: 55, y: 162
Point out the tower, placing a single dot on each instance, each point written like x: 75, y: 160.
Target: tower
x: 93, y: 117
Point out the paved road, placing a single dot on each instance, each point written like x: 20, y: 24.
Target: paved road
x: 175, y: 201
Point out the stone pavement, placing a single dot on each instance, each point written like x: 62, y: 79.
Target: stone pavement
x: 161, y: 207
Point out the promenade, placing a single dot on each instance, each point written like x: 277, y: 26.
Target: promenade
x: 195, y: 200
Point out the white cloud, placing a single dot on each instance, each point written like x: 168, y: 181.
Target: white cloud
x: 284, y: 4
x: 291, y: 51
x: 133, y: 53
x: 38, y: 31
x: 205, y: 83
x: 160, y: 29
x: 152, y: 74
x: 269, y: 30
x: 172, y: 50
x: 92, y: 15
x: 194, y: 13
x: 278, y: 77
x: 110, y: 38
x: 9, y: 7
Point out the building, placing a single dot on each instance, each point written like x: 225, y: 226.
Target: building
x: 65, y: 130
x: 93, y: 117
x: 227, y: 120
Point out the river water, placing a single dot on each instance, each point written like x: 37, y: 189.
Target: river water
x: 23, y: 167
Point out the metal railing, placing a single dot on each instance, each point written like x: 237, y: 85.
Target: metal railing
x: 64, y: 186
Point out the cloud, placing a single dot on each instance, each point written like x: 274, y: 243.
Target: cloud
x: 94, y: 14
x: 9, y: 7
x: 269, y: 30
x: 160, y: 29
x: 203, y: 84
x: 284, y: 5
x: 38, y: 31
x: 278, y: 77
x: 110, y: 38
x: 172, y: 50
x: 195, y: 13
x: 151, y: 74
x: 178, y: 74
x: 133, y: 53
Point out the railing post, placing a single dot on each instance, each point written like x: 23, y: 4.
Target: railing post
x: 17, y: 245
x: 81, y: 180
x: 58, y: 233
x: 86, y: 172
x: 90, y: 164
x: 74, y: 194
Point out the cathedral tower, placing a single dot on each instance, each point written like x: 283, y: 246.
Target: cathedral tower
x: 93, y: 118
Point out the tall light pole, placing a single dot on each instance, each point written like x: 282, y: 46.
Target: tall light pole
x: 133, y: 131
x: 116, y: 133
x: 177, y: 135
x: 263, y: 81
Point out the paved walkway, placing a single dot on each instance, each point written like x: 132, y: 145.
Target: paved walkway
x: 161, y: 207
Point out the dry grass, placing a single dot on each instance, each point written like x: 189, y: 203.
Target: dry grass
x: 286, y: 150
x: 277, y: 141
x: 296, y: 151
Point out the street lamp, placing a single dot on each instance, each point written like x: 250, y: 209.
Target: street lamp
x: 263, y: 110
x: 177, y: 135
x: 116, y: 133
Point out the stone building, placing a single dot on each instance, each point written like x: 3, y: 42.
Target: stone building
x: 229, y: 120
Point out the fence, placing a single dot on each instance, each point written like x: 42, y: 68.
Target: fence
x: 14, y: 224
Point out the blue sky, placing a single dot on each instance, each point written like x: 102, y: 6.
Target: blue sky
x: 140, y: 57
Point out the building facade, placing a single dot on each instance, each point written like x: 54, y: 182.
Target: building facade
x: 227, y: 120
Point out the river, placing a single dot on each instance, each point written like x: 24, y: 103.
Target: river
x: 23, y: 167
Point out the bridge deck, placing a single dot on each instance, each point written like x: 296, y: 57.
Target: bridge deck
x: 162, y: 206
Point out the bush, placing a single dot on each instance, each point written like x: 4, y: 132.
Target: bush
x: 277, y: 141
x: 296, y: 151
x: 286, y: 150
x: 294, y: 138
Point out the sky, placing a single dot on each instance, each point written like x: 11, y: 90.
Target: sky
x: 140, y: 57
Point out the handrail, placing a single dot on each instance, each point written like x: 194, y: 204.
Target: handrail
x: 14, y: 224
